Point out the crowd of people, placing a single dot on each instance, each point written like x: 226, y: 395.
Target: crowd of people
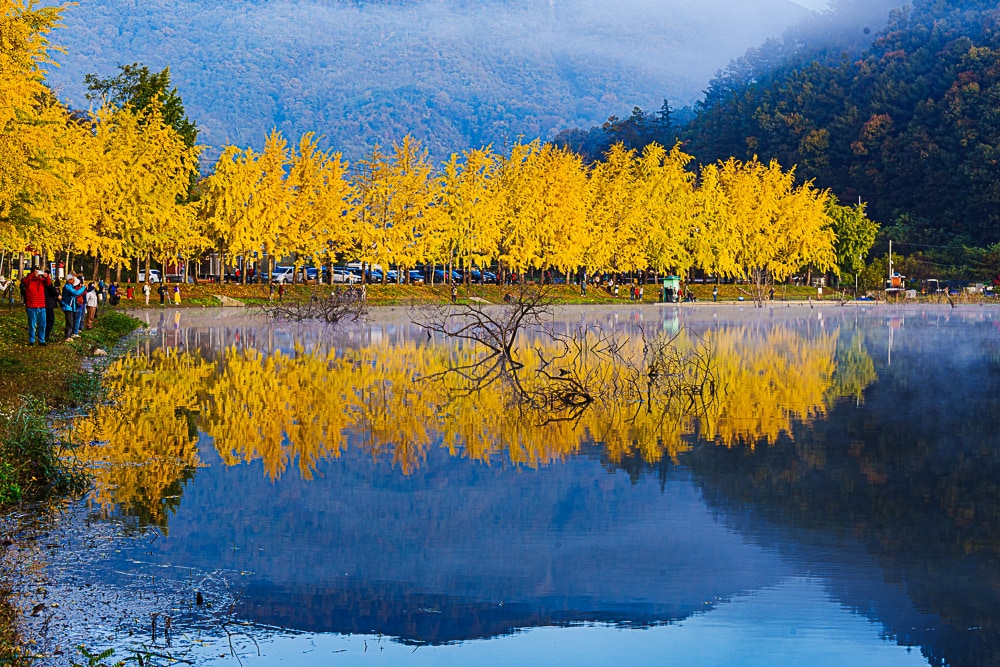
x: 78, y: 300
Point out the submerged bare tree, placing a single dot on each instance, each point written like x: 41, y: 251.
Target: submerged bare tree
x: 494, y: 327
x: 571, y: 373
x: 339, y: 306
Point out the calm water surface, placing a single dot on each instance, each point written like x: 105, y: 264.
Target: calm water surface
x: 837, y: 503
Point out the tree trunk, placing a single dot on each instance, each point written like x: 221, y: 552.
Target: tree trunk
x: 118, y: 272
x: 147, y: 268
x: 97, y: 265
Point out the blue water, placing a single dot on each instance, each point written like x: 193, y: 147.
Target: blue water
x: 869, y: 535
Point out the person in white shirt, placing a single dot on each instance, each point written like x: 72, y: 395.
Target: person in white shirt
x: 91, y: 300
x: 145, y: 292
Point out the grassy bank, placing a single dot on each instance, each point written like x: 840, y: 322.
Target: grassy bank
x: 405, y: 295
x: 34, y: 380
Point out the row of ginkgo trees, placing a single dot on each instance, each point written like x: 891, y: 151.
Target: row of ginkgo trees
x: 535, y: 207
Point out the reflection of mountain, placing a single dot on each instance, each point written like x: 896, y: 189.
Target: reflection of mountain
x: 459, y: 550
x: 912, y: 474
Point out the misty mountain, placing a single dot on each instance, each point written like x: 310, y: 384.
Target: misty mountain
x: 842, y: 30
x: 910, y: 125
x: 455, y: 73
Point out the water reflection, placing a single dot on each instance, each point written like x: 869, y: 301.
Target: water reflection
x: 359, y: 499
x: 293, y: 410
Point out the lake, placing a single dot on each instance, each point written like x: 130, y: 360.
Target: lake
x: 825, y: 492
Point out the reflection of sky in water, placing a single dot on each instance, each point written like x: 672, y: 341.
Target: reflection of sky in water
x: 457, y: 550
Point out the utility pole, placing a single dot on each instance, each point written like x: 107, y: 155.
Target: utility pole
x: 890, y: 262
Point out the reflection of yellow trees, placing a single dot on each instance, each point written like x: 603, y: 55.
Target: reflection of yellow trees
x: 144, y: 444
x: 769, y: 383
x: 302, y: 408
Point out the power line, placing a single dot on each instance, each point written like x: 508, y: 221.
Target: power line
x: 928, y: 245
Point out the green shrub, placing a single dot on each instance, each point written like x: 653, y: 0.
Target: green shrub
x: 33, y: 465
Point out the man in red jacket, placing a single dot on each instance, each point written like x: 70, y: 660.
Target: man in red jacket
x: 34, y: 301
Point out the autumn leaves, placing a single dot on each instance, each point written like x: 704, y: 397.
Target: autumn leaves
x: 534, y: 207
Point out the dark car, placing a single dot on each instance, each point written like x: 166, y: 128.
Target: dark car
x: 440, y: 276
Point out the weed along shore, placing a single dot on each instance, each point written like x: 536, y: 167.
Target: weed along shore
x: 35, y: 473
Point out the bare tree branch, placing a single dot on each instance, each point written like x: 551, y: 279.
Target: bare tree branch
x: 340, y: 305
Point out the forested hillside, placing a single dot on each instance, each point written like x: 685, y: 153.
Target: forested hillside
x: 912, y: 125
x: 843, y: 30
x: 454, y: 73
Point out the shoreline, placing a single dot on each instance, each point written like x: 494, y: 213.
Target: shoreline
x: 35, y: 384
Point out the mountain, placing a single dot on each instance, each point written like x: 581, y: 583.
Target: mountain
x: 455, y: 73
x: 910, y: 125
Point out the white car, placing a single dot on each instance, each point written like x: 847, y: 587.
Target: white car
x: 154, y: 276
x: 345, y: 276
x: 283, y: 274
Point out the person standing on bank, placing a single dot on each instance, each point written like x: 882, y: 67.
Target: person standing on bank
x: 72, y: 289
x: 51, y: 303
x: 177, y: 295
x: 91, y: 303
x: 715, y: 293
x: 81, y: 307
x: 161, y: 289
x: 145, y: 292
x: 34, y: 302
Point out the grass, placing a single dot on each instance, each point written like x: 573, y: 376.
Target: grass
x: 204, y: 295
x: 33, y: 381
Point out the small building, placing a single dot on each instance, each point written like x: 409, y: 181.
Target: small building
x: 671, y: 289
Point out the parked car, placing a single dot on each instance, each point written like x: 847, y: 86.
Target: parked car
x: 154, y: 276
x: 345, y: 276
x: 372, y: 276
x: 283, y: 274
x: 478, y: 276
x: 416, y: 278
x: 440, y: 276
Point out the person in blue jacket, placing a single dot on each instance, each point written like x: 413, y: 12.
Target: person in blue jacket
x: 72, y: 290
